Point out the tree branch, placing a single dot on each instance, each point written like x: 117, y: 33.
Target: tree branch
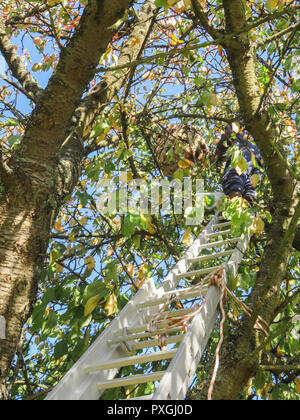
x: 204, y: 21
x: 236, y: 369
x: 101, y: 94
x: 75, y: 69
x: 278, y: 35
x: 29, y: 84
x: 279, y: 368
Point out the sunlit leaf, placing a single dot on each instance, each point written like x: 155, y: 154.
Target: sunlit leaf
x: 187, y: 237
x: 258, y: 225
x: 271, y: 4
x: 254, y: 180
x: 111, y: 304
x: 90, y: 262
x: 297, y: 382
x: 91, y: 304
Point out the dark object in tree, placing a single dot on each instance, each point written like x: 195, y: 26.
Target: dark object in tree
x: 179, y: 143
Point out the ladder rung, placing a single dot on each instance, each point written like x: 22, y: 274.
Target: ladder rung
x: 132, y: 360
x: 199, y: 272
x: 140, y: 328
x: 222, y: 232
x: 143, y: 327
x: 177, y: 312
x: 181, y: 295
x: 211, y: 256
x: 217, y: 243
x: 151, y: 343
x: 131, y: 380
x: 137, y: 336
x: 219, y: 225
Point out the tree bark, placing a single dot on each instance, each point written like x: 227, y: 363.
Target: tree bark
x: 239, y: 359
x: 47, y: 167
x: 33, y: 180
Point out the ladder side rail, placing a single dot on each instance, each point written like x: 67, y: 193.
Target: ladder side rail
x: 182, y: 368
x: 171, y: 281
x: 237, y: 255
x: 77, y: 384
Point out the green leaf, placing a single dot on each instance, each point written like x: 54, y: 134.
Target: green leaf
x: 130, y: 223
x: 209, y: 200
x: 95, y: 288
x: 205, y: 98
x: 13, y: 140
x: 61, y: 348
x: 111, y: 272
x: 178, y: 174
x: 162, y: 3
x: 11, y: 122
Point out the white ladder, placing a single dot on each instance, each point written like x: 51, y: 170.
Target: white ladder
x: 95, y: 371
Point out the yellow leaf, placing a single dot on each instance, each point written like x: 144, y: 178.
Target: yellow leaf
x: 130, y: 270
x: 257, y: 225
x: 268, y: 347
x: 58, y: 225
x: 129, y: 176
x: 90, y: 262
x: 54, y: 255
x: 100, y: 138
x: 271, y: 4
x: 234, y: 283
x: 151, y: 228
x: 234, y: 308
x: 248, y: 387
x: 265, y: 390
x: 141, y: 275
x: 297, y: 382
x: 187, y: 237
x: 111, y: 304
x: 214, y: 99
x: 53, y: 2
x: 241, y: 166
x: 87, y: 130
x: 279, y: 351
x: 183, y: 164
x: 254, y: 180
x: 110, y: 252
x: 91, y: 305
x: 72, y: 237
x: 175, y: 41
x: 59, y: 268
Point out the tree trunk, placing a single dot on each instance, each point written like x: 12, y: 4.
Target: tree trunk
x: 48, y: 163
x: 239, y: 358
x: 26, y: 217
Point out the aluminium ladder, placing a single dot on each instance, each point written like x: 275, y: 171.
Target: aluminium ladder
x: 128, y: 333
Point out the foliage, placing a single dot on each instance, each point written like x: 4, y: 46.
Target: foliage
x: 97, y: 261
